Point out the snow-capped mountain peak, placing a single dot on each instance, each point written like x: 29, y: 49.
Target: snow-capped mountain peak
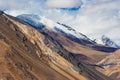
x: 108, y: 42
x: 40, y: 22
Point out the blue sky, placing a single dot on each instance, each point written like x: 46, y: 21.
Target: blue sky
x: 91, y: 17
x: 15, y: 4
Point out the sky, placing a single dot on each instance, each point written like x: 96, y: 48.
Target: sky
x: 93, y: 18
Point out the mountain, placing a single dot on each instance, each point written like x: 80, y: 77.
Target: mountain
x: 25, y: 57
x: 108, y: 42
x: 42, y: 23
x: 29, y: 54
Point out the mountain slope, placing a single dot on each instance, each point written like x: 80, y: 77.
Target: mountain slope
x: 25, y: 56
x: 110, y: 65
x: 42, y: 23
x: 46, y: 30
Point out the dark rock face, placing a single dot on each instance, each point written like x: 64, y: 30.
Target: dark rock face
x: 1, y: 12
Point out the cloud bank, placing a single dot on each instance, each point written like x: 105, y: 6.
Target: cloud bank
x: 63, y: 3
x: 94, y: 18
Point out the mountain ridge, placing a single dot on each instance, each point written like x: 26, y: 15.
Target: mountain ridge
x: 63, y: 29
x: 29, y: 58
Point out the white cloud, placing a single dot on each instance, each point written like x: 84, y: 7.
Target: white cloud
x: 95, y: 17
x: 10, y: 4
x: 24, y: 5
x: 63, y: 3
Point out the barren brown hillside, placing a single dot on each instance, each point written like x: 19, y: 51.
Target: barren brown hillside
x: 24, y: 56
x: 111, y: 65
